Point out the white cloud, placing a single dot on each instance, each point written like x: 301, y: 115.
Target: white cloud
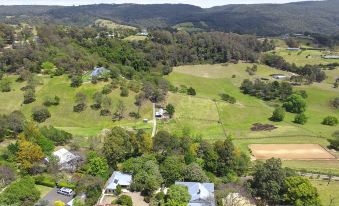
x: 202, y: 3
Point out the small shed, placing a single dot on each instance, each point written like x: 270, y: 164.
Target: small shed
x: 331, y: 57
x: 98, y: 71
x: 293, y: 49
x: 279, y: 76
x: 159, y: 113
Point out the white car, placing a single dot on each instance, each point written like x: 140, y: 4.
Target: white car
x: 65, y: 191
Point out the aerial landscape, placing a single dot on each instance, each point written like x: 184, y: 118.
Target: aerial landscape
x: 158, y: 104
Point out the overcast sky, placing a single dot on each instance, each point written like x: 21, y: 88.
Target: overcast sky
x: 202, y: 3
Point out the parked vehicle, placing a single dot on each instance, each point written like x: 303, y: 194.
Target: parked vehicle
x: 65, y: 191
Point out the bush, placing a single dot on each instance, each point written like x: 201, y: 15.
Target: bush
x: 124, y: 200
x: 191, y: 91
x: 118, y: 190
x: 45, y: 181
x: 300, y: 119
x: 76, y: 81
x: 278, y: 115
x: 52, y: 101
x: 40, y: 114
x: 335, y: 103
x: 5, y: 85
x: 134, y: 115
x: 295, y: 104
x: 107, y: 89
x: 228, y: 98
x: 105, y: 112
x: 166, y: 70
x: 124, y: 92
x: 79, y: 107
x: 66, y: 184
x: 29, y: 96
x: 330, y: 121
x: 58, y: 136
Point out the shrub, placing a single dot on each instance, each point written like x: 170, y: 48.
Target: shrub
x: 66, y: 184
x: 124, y: 200
x: 228, y: 98
x: 79, y: 107
x: 107, y: 89
x: 105, y: 112
x: 118, y: 190
x: 300, y: 119
x: 5, y: 85
x: 191, y: 91
x: 278, y: 115
x: 29, y: 96
x: 134, y: 115
x: 40, y: 114
x: 58, y: 136
x: 295, y: 104
x: 330, y: 121
x: 76, y: 81
x: 44, y: 180
x: 335, y: 103
x: 52, y: 101
x: 124, y: 92
x: 166, y: 70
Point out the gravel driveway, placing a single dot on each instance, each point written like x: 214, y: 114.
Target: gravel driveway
x: 53, y: 196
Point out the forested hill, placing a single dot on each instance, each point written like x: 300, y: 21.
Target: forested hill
x: 260, y: 19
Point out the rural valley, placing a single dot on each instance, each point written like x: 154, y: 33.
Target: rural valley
x: 113, y: 104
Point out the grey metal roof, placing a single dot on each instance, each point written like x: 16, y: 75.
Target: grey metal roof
x: 202, y: 194
x: 119, y: 178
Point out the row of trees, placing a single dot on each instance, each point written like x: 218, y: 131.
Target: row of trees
x: 309, y: 73
x: 276, y: 185
x: 266, y: 90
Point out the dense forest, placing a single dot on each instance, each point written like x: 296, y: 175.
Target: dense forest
x: 264, y: 19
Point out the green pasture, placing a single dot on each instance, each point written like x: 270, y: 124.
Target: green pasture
x: 304, y: 57
x: 88, y: 122
x: 328, y: 193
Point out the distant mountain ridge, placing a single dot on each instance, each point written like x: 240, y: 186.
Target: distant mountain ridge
x: 260, y: 19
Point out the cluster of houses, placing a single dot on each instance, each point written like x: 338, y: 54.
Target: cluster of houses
x: 202, y: 194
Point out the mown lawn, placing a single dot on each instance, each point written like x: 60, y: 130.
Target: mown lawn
x: 43, y: 190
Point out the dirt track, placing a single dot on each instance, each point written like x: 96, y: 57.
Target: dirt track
x: 290, y: 151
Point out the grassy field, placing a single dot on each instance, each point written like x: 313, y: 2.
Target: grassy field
x: 112, y: 25
x: 212, y: 80
x: 328, y: 193
x: 85, y: 123
x: 301, y: 58
x: 135, y: 38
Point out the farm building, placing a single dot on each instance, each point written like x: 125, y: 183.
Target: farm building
x: 279, y: 76
x: 98, y: 71
x: 331, y: 57
x: 159, y: 113
x: 293, y: 49
x: 118, y: 178
x: 202, y: 194
x: 143, y: 33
